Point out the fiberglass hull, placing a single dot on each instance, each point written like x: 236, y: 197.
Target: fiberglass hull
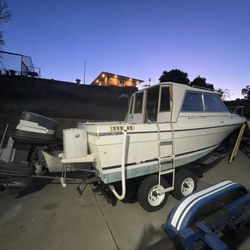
x: 189, y: 144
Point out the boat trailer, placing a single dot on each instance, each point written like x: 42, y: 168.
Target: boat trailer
x: 199, y: 220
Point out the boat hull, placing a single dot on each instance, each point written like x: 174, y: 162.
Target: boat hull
x: 189, y: 144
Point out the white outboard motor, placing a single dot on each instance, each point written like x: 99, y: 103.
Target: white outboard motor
x: 33, y: 131
x: 36, y: 129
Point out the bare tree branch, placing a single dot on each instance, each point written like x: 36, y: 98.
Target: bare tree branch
x: 4, y: 17
x: 4, y: 12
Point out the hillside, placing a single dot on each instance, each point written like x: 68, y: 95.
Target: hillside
x: 60, y: 99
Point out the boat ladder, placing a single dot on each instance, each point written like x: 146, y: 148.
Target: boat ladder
x: 166, y: 159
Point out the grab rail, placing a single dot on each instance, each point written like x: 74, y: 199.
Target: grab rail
x: 111, y: 187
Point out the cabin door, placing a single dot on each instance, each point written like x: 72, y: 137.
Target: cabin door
x: 164, y: 118
x: 164, y: 104
x: 158, y: 108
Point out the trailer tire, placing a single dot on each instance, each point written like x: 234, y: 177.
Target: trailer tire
x: 185, y: 184
x: 147, y: 196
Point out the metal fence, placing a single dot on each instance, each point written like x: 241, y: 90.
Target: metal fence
x: 17, y: 64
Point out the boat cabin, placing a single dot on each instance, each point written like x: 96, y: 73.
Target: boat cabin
x: 165, y: 101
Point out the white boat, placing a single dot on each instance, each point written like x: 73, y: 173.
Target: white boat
x: 187, y: 122
x: 167, y: 126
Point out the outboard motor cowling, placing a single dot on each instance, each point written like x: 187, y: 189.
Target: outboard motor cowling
x: 36, y: 129
x: 22, y: 157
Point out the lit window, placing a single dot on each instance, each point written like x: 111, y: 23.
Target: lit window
x: 103, y: 75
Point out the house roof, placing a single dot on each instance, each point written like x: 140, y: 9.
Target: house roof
x: 121, y: 77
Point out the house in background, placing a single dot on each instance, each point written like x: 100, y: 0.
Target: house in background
x: 110, y: 79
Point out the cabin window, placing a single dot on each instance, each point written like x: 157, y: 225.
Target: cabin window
x: 152, y: 103
x: 213, y: 103
x: 192, y: 102
x: 138, y: 102
x: 165, y: 99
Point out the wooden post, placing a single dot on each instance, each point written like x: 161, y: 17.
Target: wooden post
x: 237, y: 143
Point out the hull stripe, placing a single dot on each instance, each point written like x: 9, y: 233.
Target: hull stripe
x: 162, y: 131
x: 152, y: 160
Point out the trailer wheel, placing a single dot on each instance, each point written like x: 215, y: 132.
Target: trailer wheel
x: 148, y: 197
x: 185, y: 184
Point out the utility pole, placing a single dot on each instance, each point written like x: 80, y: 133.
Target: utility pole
x: 84, y: 71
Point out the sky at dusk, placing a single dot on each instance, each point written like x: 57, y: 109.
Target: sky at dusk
x: 140, y: 39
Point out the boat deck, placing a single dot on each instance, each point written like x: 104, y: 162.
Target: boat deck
x: 57, y: 218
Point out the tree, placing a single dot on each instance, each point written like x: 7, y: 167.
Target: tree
x: 201, y: 82
x: 174, y: 75
x: 225, y: 94
x: 246, y: 92
x: 4, y: 17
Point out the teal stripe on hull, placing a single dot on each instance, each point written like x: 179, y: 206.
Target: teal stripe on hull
x: 130, y: 173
